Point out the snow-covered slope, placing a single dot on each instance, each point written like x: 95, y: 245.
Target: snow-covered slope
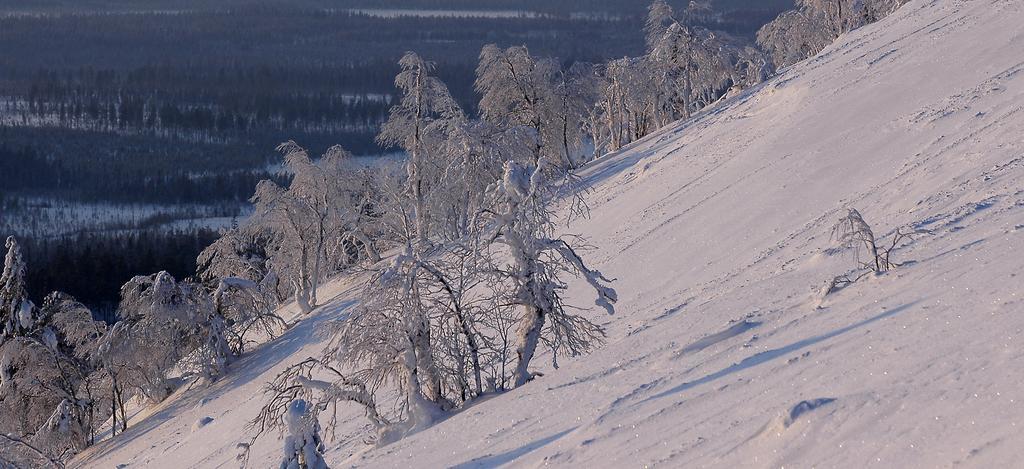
x: 718, y: 230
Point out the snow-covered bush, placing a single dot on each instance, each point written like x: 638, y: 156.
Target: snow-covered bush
x: 303, y: 447
x: 853, y: 233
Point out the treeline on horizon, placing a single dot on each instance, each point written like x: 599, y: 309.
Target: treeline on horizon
x: 547, y: 7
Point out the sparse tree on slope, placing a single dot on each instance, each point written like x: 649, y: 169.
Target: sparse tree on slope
x: 523, y: 224
x: 425, y: 104
x: 516, y: 90
x: 852, y: 232
x: 306, y: 216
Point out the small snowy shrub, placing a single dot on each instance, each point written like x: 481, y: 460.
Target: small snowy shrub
x: 303, y: 448
x: 852, y: 232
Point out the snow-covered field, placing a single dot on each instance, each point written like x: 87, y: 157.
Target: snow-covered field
x: 54, y: 217
x: 722, y: 353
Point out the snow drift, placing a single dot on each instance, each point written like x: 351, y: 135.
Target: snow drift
x: 723, y: 351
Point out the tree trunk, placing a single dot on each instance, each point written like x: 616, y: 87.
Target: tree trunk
x: 528, y: 338
x: 425, y: 366
x: 423, y: 412
x: 302, y: 297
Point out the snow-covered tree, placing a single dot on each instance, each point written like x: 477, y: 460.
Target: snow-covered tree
x: 523, y: 224
x: 391, y: 333
x: 308, y: 218
x: 659, y: 18
x: 424, y: 106
x: 516, y: 89
x: 17, y: 312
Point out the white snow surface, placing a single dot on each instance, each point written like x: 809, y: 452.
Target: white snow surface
x: 718, y: 232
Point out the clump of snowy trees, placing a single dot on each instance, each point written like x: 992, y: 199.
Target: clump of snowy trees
x: 801, y: 33
x: 50, y: 394
x: 472, y: 288
x: 686, y: 68
x: 66, y: 377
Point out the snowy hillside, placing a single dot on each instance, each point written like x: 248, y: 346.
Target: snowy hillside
x: 722, y: 351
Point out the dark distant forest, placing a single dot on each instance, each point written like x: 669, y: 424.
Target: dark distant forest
x: 172, y: 102
x: 550, y: 7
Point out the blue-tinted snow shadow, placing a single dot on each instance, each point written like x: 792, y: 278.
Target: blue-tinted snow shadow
x: 510, y: 456
x: 730, y: 332
x: 768, y: 355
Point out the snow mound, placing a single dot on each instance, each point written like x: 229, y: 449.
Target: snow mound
x: 718, y: 230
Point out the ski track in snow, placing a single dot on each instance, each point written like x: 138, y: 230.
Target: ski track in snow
x: 721, y: 354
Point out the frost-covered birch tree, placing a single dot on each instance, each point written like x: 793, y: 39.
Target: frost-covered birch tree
x: 307, y: 217
x: 523, y: 225
x: 425, y: 104
x: 518, y: 90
